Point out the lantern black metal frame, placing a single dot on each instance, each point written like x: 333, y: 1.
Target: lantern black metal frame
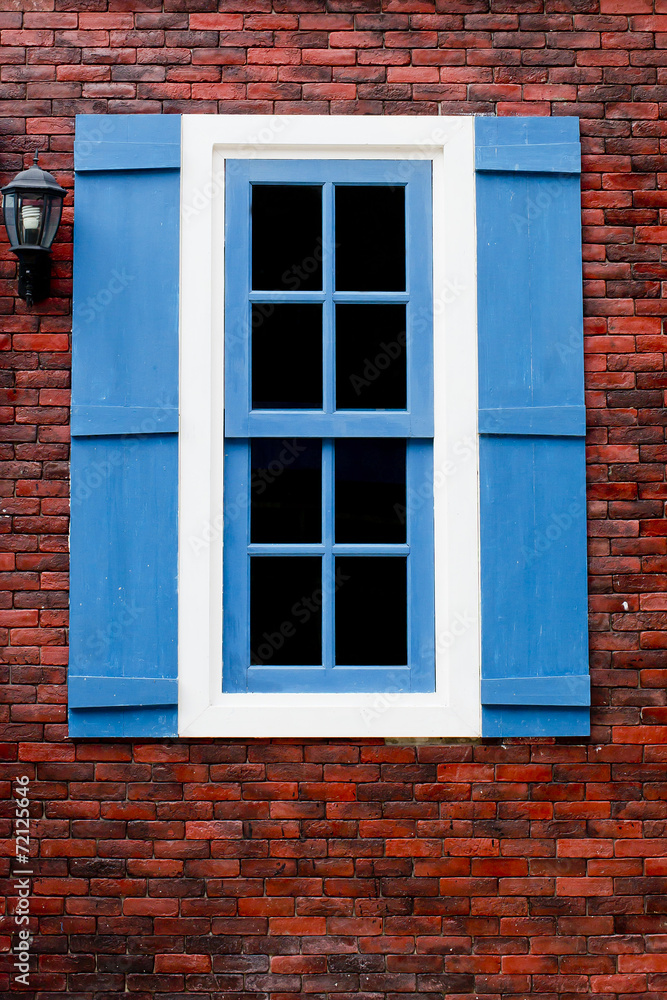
x: 32, y: 206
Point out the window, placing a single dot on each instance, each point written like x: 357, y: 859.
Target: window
x: 292, y: 286
x: 188, y: 451
x: 328, y: 404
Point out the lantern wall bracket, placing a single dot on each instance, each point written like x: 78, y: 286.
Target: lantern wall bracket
x: 34, y: 275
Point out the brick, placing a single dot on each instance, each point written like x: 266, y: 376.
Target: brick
x: 455, y: 869
x: 355, y: 39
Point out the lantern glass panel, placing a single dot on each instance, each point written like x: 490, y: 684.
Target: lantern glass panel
x: 52, y: 212
x: 9, y: 206
x: 31, y: 214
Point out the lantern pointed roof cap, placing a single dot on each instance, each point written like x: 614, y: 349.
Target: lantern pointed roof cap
x: 35, y: 179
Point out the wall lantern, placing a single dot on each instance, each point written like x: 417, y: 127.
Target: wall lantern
x: 32, y: 205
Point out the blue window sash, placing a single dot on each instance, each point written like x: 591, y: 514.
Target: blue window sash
x: 415, y: 424
x: 417, y: 419
x: 418, y: 674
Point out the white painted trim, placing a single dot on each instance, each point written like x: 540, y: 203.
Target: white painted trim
x: 454, y: 709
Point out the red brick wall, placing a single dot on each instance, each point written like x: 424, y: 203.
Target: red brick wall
x: 458, y: 870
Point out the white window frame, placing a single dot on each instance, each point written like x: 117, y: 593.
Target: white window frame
x: 453, y: 710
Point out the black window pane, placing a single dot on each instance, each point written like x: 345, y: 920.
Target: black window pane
x: 286, y: 356
x: 286, y: 611
x: 370, y: 238
x: 371, y: 601
x: 286, y: 237
x: 370, y: 490
x: 286, y: 490
x: 370, y: 357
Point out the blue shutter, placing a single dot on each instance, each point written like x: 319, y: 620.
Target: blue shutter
x: 123, y: 601
x: 535, y: 678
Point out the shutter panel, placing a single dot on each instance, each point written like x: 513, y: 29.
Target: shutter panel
x: 124, y: 479
x: 535, y: 678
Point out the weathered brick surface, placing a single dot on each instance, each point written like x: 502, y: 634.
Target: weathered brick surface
x: 341, y: 868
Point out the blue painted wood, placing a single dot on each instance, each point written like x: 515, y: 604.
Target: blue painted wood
x: 532, y: 472
x: 91, y: 421
x: 354, y: 298
x: 313, y: 295
x: 276, y: 296
x: 530, y: 341
x: 420, y: 526
x: 568, y: 689
x: 129, y: 128
x: 237, y: 302
x: 327, y: 681
x: 533, y: 539
x: 103, y: 142
x: 148, y: 722
x: 525, y: 131
x: 338, y: 549
x: 416, y: 177
x: 236, y: 566
x: 123, y: 566
x: 238, y: 676
x: 123, y: 610
x: 328, y: 302
x: 122, y: 291
x: 561, y: 158
x: 342, y: 680
x: 535, y: 721
x: 415, y: 424
x: 342, y: 423
x: 126, y: 156
x: 106, y: 692
x: 545, y: 420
